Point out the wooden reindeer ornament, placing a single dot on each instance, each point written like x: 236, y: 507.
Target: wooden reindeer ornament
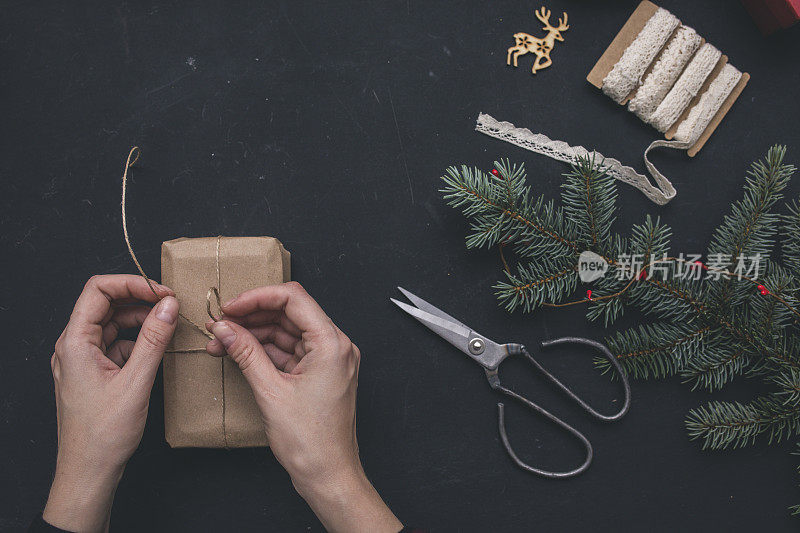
x: 541, y: 47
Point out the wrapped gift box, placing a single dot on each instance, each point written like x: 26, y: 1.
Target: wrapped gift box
x: 207, y: 401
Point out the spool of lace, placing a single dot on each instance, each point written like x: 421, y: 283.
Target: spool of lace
x: 627, y: 73
x: 670, y: 88
x: 665, y: 72
x: 685, y: 89
x: 690, y: 129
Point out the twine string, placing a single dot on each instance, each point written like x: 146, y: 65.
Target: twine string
x: 133, y: 156
x: 215, y: 291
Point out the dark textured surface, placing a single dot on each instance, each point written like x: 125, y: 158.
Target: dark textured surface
x: 328, y: 127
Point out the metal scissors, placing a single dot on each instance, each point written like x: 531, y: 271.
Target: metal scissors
x: 489, y: 355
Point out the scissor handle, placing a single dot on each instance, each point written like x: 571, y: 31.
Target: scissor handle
x: 494, y: 381
x: 607, y: 353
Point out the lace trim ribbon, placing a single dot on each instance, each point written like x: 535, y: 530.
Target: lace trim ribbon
x: 628, y: 72
x: 662, y: 193
x: 665, y: 73
x: 700, y: 115
x: 660, y: 100
x: 685, y: 89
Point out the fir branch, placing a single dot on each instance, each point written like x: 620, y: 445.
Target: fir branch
x: 504, y: 204
x: 612, y: 308
x: 722, y: 425
x: 589, y: 196
x: 790, y: 246
x: 788, y: 382
x: 656, y: 350
x: 751, y: 226
x: 664, y: 295
x: 513, y: 178
x: 712, y: 368
x: 712, y: 329
x: 543, y: 230
x: 770, y: 315
x: 537, y: 283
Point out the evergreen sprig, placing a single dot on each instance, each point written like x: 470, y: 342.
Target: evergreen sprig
x: 710, y: 328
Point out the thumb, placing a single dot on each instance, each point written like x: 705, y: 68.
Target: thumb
x: 247, y: 352
x: 153, y: 338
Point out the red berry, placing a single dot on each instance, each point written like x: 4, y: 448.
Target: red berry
x: 764, y: 292
x: 701, y: 265
x: 495, y: 172
x: 589, y: 294
x: 761, y: 288
x: 643, y: 274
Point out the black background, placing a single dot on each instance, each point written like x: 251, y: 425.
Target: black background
x: 328, y: 126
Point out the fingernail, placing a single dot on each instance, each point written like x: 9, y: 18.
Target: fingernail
x: 224, y: 333
x: 167, y: 310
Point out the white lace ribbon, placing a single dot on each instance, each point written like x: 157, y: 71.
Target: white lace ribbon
x: 685, y: 89
x: 700, y: 115
x: 661, y: 193
x: 668, y: 90
x: 627, y: 72
x: 665, y: 72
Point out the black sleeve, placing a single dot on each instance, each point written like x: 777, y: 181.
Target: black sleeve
x: 407, y: 529
x: 40, y: 526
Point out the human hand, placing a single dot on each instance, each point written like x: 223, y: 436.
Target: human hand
x: 102, y: 393
x: 304, y: 372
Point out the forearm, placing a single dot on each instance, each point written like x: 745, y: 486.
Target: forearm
x: 81, y: 497
x: 350, y: 503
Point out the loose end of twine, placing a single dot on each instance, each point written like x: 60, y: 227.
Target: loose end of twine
x: 133, y: 156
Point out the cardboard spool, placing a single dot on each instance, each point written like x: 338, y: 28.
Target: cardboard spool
x: 626, y: 36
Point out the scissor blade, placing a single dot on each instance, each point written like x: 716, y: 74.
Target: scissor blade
x: 454, y: 333
x: 430, y: 308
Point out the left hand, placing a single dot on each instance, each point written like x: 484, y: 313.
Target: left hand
x: 102, y: 392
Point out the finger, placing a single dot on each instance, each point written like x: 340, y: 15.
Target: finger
x: 156, y: 332
x: 260, y: 318
x: 122, y: 302
x: 131, y: 316
x: 268, y: 334
x: 247, y: 352
x: 100, y: 291
x: 300, y: 308
x: 215, y: 348
x: 120, y: 351
x: 275, y: 334
x: 257, y: 318
x: 282, y: 359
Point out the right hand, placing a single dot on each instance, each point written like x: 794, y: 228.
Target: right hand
x: 304, y: 372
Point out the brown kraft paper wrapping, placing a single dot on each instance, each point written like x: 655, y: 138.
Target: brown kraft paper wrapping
x: 207, y: 401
